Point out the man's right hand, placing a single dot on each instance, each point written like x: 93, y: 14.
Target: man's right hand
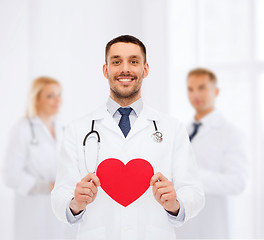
x: 85, y: 193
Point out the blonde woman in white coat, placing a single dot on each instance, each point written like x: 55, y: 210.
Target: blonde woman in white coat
x: 221, y: 154
x: 31, y: 164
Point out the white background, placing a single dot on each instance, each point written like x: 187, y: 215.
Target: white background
x: 65, y: 39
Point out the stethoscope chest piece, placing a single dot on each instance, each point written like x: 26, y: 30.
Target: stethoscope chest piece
x: 157, y: 137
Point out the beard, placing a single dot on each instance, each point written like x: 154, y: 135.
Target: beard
x: 126, y: 92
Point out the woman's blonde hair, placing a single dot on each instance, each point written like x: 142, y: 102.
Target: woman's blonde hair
x: 36, y: 87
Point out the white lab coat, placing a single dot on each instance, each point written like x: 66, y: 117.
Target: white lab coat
x: 28, y: 170
x: 145, y: 218
x: 221, y: 155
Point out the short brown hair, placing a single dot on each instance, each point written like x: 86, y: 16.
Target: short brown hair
x: 35, y: 89
x: 126, y: 39
x: 203, y: 71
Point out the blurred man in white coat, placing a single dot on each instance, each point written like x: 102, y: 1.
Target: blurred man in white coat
x: 129, y: 133
x: 221, y: 156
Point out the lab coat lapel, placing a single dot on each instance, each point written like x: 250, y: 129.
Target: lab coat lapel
x: 38, y: 122
x: 145, y: 118
x: 59, y: 129
x: 210, y: 122
x: 107, y: 120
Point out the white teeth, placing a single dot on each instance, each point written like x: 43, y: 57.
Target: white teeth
x: 125, y: 80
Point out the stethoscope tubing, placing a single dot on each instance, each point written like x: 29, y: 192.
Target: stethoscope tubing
x: 157, y: 136
x: 33, y: 140
x: 98, y: 146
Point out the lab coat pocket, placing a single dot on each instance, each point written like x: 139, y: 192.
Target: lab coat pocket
x: 156, y: 233
x: 92, y: 234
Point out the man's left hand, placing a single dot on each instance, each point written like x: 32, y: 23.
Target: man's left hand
x: 164, y: 193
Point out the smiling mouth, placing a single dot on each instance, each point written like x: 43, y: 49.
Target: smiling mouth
x: 125, y: 79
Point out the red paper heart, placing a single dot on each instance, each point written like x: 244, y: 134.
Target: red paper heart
x: 125, y: 183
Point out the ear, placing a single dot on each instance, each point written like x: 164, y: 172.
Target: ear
x: 217, y: 91
x: 146, y: 70
x: 105, y: 71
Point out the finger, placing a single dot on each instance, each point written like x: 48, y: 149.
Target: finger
x: 154, y: 189
x: 87, y: 178
x: 89, y: 185
x: 164, y: 190
x: 84, y: 198
x: 162, y: 184
x: 167, y: 197
x: 85, y: 191
x: 94, y: 188
x: 157, y: 177
x: 92, y: 177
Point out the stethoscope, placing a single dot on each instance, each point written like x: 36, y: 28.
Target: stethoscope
x: 34, y: 140
x: 156, y: 136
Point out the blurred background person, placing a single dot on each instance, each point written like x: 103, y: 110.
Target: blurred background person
x: 30, y: 163
x: 221, y: 154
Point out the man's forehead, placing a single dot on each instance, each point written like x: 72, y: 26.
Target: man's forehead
x: 122, y: 49
x: 198, y: 78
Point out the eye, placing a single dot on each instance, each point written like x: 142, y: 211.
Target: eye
x: 50, y: 96
x: 134, y: 61
x: 116, y: 62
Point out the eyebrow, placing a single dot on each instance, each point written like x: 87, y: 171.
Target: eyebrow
x: 134, y: 56
x: 117, y: 56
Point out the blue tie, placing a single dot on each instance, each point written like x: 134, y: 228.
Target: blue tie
x: 195, y: 130
x: 124, y: 122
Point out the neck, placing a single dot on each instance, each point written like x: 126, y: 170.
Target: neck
x: 47, y: 119
x: 123, y: 102
x: 201, y: 114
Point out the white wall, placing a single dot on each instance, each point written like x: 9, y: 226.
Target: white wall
x: 14, y: 79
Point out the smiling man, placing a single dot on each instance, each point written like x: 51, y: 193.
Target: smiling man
x: 146, y: 149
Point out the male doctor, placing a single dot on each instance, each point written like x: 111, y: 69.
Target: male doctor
x: 221, y: 155
x: 125, y: 126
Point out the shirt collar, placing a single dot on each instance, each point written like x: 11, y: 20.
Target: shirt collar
x: 113, y: 106
x: 209, y: 119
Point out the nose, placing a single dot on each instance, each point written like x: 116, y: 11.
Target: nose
x: 58, y: 99
x: 193, y: 95
x: 125, y: 67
